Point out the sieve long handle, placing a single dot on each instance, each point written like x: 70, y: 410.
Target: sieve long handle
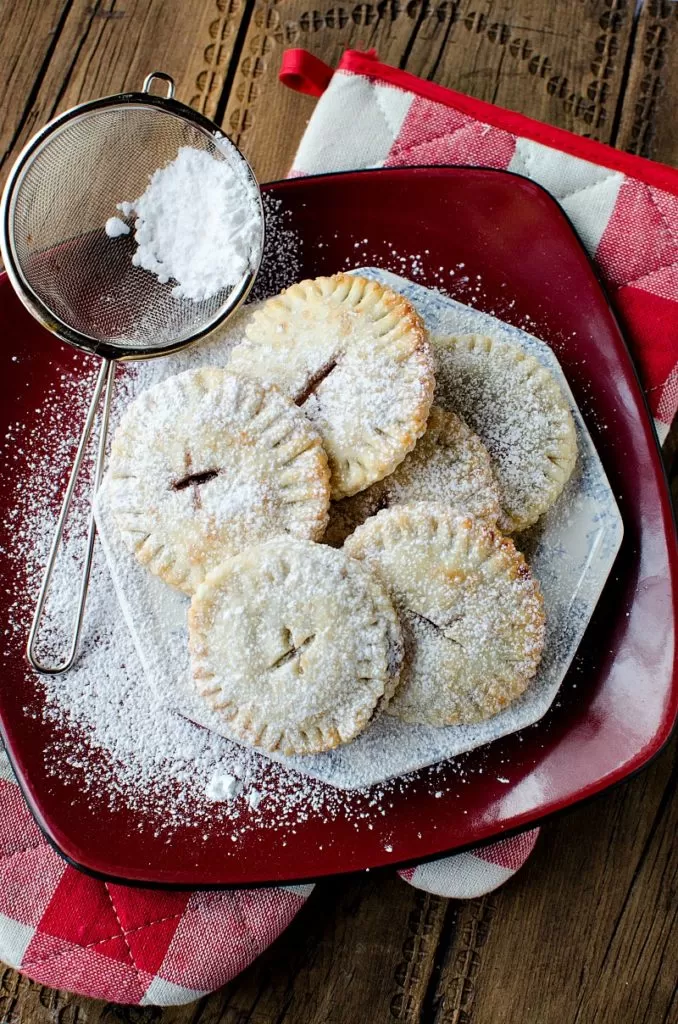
x: 105, y: 379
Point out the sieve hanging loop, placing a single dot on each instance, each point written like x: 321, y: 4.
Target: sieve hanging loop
x: 161, y: 77
x: 82, y: 285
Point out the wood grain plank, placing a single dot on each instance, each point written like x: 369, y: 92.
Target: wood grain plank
x: 648, y: 123
x: 111, y: 45
x: 587, y: 932
x: 562, y: 63
x: 556, y: 62
x: 30, y: 32
x: 637, y: 975
x: 266, y: 119
x: 24, y: 1002
x: 362, y: 949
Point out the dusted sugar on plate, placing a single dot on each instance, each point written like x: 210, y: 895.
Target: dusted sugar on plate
x: 204, y: 464
x: 356, y: 357
x: 294, y: 645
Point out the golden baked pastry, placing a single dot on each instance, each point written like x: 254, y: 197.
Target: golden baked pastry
x: 471, y: 613
x: 449, y: 464
x: 204, y: 464
x: 519, y: 412
x: 355, y: 356
x: 295, y: 645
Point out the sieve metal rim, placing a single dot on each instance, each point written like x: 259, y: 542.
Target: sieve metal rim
x: 32, y: 301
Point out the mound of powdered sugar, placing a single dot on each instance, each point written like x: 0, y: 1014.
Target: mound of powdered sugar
x: 198, y: 223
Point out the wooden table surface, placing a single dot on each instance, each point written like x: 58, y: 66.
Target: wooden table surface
x: 587, y: 933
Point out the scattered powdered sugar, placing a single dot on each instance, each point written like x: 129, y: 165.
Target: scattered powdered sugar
x: 114, y: 739
x: 198, y: 223
x: 224, y: 787
x: 114, y: 227
x: 122, y: 745
x: 283, y: 246
x: 358, y: 364
x: 361, y: 396
x: 449, y: 463
x: 254, y: 798
x: 244, y: 498
x: 519, y: 413
x: 458, y: 282
x: 471, y: 615
x: 208, y: 464
x: 286, y: 610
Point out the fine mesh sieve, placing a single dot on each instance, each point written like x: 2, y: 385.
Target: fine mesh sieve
x: 81, y: 284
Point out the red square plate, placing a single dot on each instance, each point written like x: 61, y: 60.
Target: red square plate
x: 619, y: 701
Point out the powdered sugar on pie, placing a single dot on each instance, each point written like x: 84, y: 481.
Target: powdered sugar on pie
x: 204, y: 464
x: 516, y: 407
x: 471, y: 612
x: 356, y: 357
x: 296, y: 645
x: 449, y: 464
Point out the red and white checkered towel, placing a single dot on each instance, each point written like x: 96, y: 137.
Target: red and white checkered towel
x: 135, y: 945
x: 121, y: 943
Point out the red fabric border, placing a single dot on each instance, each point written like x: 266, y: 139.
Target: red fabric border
x: 649, y: 171
x: 305, y: 73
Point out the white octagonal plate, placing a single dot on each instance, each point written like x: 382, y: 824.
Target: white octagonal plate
x: 571, y: 551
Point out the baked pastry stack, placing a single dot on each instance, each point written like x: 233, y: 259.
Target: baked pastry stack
x: 238, y: 485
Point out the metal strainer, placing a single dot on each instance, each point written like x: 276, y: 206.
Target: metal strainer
x: 81, y: 284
